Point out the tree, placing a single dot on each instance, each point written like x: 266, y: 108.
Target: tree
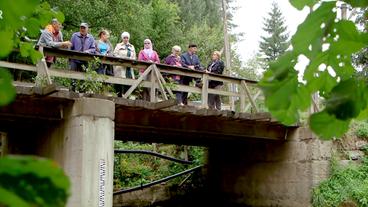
x: 361, y: 58
x: 24, y: 180
x: 276, y: 42
x: 328, y: 43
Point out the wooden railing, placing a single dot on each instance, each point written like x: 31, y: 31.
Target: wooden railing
x: 247, y: 91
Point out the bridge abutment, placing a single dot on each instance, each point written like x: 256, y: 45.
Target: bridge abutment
x: 264, y: 173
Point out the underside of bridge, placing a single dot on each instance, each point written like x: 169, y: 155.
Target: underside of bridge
x: 253, y: 160
x: 137, y: 120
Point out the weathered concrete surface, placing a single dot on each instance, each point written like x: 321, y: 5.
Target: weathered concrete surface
x: 82, y: 143
x: 269, y: 173
x: 84, y: 147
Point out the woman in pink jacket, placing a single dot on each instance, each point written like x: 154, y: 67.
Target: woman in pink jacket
x: 148, y: 55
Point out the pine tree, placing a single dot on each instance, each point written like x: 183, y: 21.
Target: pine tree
x: 276, y: 42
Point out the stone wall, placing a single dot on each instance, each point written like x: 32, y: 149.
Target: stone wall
x: 264, y: 173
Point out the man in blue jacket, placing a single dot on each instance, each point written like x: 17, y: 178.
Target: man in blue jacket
x: 82, y: 41
x: 189, y: 60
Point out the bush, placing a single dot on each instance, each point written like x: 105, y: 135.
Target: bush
x: 135, y: 169
x: 345, y: 185
x: 362, y: 130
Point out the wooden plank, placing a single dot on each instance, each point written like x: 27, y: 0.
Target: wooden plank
x: 165, y: 104
x: 255, y: 98
x: 45, y: 91
x: 18, y: 66
x: 137, y: 82
x: 161, y: 87
x: 3, y: 144
x: 153, y: 86
x: 42, y: 69
x: 246, y: 89
x: 164, y: 82
x: 205, y: 91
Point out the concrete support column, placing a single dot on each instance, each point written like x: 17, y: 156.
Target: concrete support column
x: 83, y: 144
x: 89, y: 152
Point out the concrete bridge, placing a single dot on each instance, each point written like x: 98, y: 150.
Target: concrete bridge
x: 253, y: 160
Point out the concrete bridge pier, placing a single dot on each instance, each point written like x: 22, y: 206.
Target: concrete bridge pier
x: 84, y: 146
x: 267, y: 173
x: 82, y: 143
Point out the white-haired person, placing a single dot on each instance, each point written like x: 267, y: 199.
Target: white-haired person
x: 149, y: 55
x: 174, y: 60
x: 124, y: 50
x: 215, y: 66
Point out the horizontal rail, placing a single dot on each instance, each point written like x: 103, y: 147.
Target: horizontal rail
x: 151, y: 79
x: 146, y: 152
x: 157, y: 181
x: 133, y: 63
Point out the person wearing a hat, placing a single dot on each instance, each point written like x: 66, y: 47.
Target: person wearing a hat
x: 189, y: 60
x: 52, y: 37
x: 82, y: 41
x: 124, y: 50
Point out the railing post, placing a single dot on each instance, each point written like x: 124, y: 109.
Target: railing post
x: 42, y: 70
x: 205, y: 90
x: 3, y: 144
x: 242, y: 94
x: 153, y: 87
x: 247, y: 91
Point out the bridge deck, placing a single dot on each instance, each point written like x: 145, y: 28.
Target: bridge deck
x: 138, y: 120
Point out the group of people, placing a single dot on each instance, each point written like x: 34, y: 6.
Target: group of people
x: 83, y: 41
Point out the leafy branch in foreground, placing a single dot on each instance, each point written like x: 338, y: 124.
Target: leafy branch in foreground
x: 328, y: 44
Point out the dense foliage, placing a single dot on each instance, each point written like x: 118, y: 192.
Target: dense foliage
x: 17, y: 25
x: 276, y: 42
x: 328, y: 43
x: 165, y: 22
x: 132, y: 170
x: 346, y: 185
x: 30, y: 181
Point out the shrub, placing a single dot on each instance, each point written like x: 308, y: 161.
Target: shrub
x: 346, y: 184
x: 362, y: 130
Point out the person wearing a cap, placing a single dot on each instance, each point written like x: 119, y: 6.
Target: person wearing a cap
x: 189, y: 60
x: 52, y: 37
x: 82, y: 41
x: 124, y: 50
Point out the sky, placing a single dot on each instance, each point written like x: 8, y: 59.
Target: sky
x: 250, y: 17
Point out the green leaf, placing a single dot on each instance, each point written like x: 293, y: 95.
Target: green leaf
x: 310, y: 31
x: 25, y: 48
x: 6, y: 42
x: 10, y: 199
x: 300, y: 4
x: 40, y: 182
x: 326, y: 126
x: 60, y: 16
x: 350, y: 40
x: 33, y: 27
x: 7, y: 90
x: 357, y: 3
x: 35, y: 56
x: 347, y: 99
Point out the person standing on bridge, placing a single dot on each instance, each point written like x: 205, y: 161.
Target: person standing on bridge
x: 104, y: 47
x: 52, y: 37
x: 82, y: 41
x: 215, y: 66
x: 189, y: 60
x: 175, y: 60
x: 124, y: 50
x: 148, y: 55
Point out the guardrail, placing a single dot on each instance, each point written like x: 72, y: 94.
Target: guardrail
x: 155, y: 82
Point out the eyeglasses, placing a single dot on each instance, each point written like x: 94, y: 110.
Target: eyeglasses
x: 147, y: 43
